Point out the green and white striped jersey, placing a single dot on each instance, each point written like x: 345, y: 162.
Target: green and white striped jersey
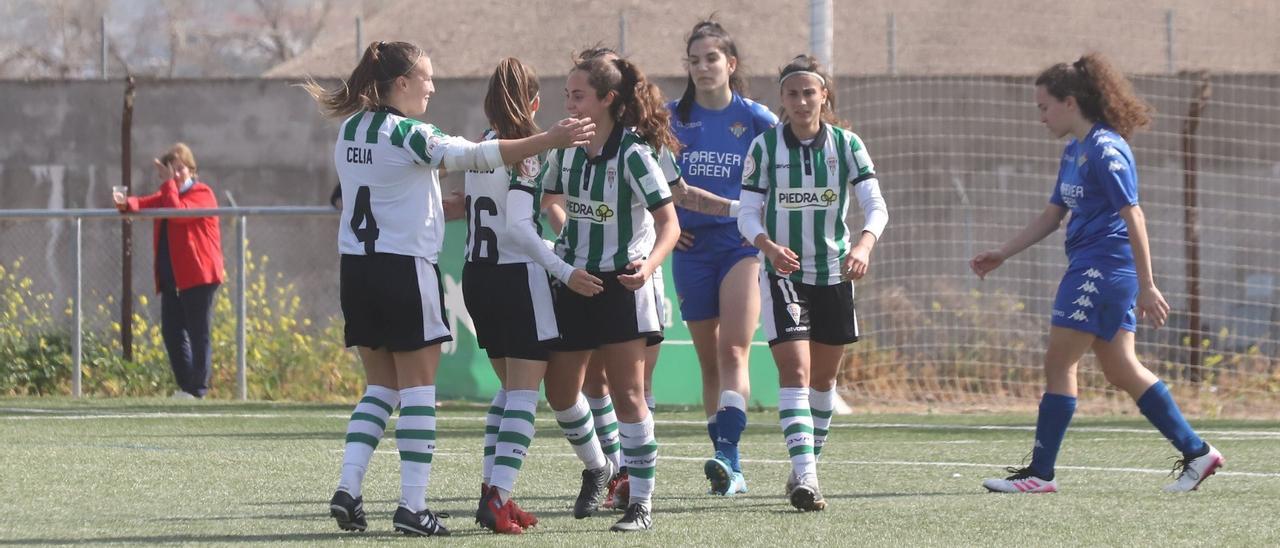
x: 387, y: 167
x: 608, y: 200
x: 488, y: 238
x: 806, y: 194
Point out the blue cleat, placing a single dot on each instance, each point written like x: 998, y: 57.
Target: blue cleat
x: 724, y: 481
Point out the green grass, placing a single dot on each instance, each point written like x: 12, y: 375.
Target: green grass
x: 136, y: 472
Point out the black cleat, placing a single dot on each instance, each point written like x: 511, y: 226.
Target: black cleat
x: 637, y: 518
x: 348, y: 511
x: 806, y: 497
x: 594, y: 484
x: 418, y: 524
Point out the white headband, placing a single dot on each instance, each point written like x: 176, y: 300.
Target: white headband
x: 821, y: 80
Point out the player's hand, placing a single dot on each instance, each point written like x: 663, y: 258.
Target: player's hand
x: 643, y: 270
x: 454, y: 206
x: 784, y: 260
x: 686, y: 240
x: 855, y: 264
x: 571, y: 132
x: 584, y: 283
x: 1152, y: 306
x: 121, y: 205
x: 986, y: 261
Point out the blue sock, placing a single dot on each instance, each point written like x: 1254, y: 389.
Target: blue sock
x: 732, y: 422
x: 1157, y: 405
x: 712, y: 431
x: 1051, y: 427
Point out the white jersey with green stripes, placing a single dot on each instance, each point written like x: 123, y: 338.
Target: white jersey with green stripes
x: 608, y: 200
x: 488, y: 240
x: 807, y: 190
x: 387, y: 167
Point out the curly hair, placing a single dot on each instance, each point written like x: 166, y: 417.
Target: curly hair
x: 1102, y: 91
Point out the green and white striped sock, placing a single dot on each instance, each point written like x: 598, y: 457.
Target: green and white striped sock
x: 797, y: 428
x: 514, y: 438
x: 364, y: 431
x: 821, y: 403
x: 578, y: 429
x: 606, y: 421
x: 640, y: 451
x: 492, y: 419
x: 416, y: 441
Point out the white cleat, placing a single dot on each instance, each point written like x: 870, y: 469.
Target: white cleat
x: 1022, y: 480
x: 1191, y: 473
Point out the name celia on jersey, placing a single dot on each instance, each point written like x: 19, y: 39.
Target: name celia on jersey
x: 590, y: 211
x: 359, y: 155
x: 806, y: 198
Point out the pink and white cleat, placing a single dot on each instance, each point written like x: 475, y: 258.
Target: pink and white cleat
x: 1022, y: 480
x: 1191, y: 472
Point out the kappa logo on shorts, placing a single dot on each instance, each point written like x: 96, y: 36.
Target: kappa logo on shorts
x: 593, y: 212
x: 793, y: 310
x: 1078, y: 316
x: 1083, y: 301
x: 1088, y: 287
x: 806, y: 198
x: 1093, y: 273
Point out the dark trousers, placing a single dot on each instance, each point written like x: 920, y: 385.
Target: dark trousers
x: 186, y: 319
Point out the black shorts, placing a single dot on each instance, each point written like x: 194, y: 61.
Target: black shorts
x: 615, y: 315
x: 392, y: 301
x: 794, y: 311
x: 512, y: 309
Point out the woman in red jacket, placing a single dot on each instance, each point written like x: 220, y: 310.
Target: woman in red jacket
x: 188, y: 268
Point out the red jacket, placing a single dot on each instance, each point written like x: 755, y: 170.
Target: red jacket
x: 195, y: 243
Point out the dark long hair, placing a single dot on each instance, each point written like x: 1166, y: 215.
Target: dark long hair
x: 370, y: 81
x: 639, y: 102
x: 1102, y: 91
x: 507, y: 103
x: 808, y: 63
x: 709, y: 28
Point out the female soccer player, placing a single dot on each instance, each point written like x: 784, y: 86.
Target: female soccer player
x: 620, y: 227
x: 390, y: 235
x: 797, y: 180
x: 507, y: 293
x: 716, y: 271
x: 1108, y: 273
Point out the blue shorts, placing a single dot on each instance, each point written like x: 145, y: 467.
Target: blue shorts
x: 1097, y: 299
x: 699, y: 271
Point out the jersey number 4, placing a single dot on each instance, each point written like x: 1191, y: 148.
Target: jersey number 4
x: 484, y: 241
x: 363, y: 215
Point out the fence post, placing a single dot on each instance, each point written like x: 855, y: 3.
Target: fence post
x: 77, y: 341
x: 242, y: 385
x: 1168, y: 39
x: 359, y: 40
x: 102, y: 29
x: 891, y: 36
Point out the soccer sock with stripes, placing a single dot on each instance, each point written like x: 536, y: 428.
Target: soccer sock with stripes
x: 730, y: 421
x: 606, y: 425
x: 492, y: 420
x: 797, y: 428
x: 416, y: 441
x: 641, y: 457
x: 820, y: 404
x: 1051, y: 426
x: 364, y: 431
x: 514, y: 437
x: 576, y: 424
x: 1158, y: 406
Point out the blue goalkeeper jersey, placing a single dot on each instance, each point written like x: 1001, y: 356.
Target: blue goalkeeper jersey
x: 715, y: 142
x: 1097, y: 179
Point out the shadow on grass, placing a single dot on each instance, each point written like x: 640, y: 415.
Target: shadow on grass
x: 256, y: 538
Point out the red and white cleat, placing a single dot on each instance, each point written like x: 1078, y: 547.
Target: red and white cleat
x: 1022, y: 480
x: 1192, y: 472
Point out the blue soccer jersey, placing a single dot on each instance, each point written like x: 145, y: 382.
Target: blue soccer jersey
x: 1096, y: 180
x: 715, y: 144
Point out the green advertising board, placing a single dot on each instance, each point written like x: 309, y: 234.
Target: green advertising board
x: 465, y: 372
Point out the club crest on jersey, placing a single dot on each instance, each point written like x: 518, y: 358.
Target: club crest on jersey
x: 806, y: 198
x: 737, y: 129
x: 592, y: 212
x: 831, y: 164
x: 748, y: 167
x: 611, y: 176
